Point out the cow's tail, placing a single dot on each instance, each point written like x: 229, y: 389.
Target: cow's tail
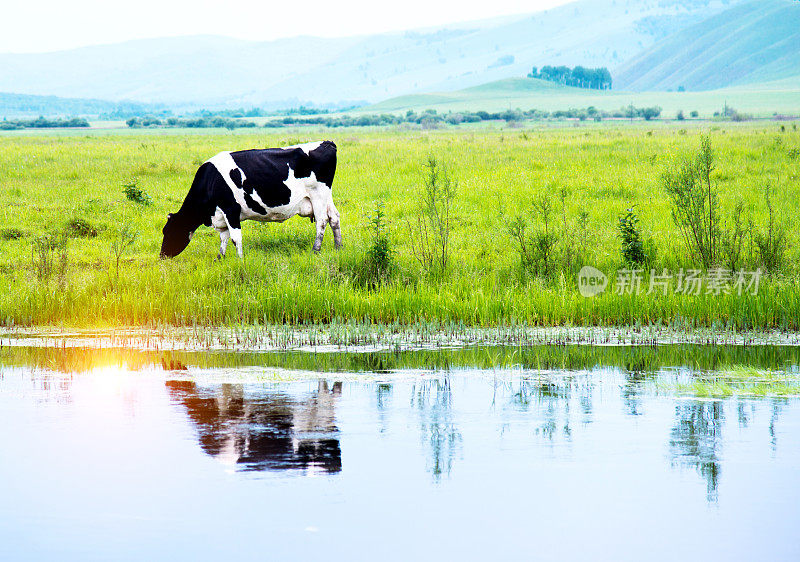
x: 325, y: 162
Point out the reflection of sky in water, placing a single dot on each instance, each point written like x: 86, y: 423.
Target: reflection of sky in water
x: 596, y: 464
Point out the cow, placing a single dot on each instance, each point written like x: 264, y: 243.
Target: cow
x: 271, y: 185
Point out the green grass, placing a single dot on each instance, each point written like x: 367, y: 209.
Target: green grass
x: 764, y: 363
x: 48, y: 182
x: 762, y: 100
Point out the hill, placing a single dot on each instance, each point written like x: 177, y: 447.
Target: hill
x: 23, y: 105
x: 754, y: 42
x: 528, y: 93
x: 219, y: 72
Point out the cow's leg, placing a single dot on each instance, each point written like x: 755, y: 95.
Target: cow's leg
x: 221, y: 226
x: 234, y: 224
x: 321, y: 218
x: 333, y: 217
x: 224, y: 236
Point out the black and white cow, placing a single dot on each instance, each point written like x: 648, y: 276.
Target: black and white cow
x: 271, y: 184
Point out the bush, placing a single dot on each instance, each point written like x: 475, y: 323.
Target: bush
x: 695, y: 204
x: 431, y: 232
x: 649, y: 113
x: 732, y: 239
x: 631, y: 238
x: 122, y: 242
x: 11, y: 234
x: 50, y: 257
x: 695, y: 114
x: 771, y: 243
x: 536, y: 250
x: 136, y: 194
x: 80, y: 228
x: 380, y: 254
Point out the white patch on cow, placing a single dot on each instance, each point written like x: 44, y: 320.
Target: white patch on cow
x: 306, y: 209
x: 236, y: 238
x: 224, y: 236
x: 305, y: 147
x: 257, y: 198
x: 218, y: 220
x: 224, y: 164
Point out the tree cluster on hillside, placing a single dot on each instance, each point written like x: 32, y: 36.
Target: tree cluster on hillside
x: 579, y: 77
x: 42, y: 123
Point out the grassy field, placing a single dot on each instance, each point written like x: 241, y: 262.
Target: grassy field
x: 760, y: 100
x: 75, y: 182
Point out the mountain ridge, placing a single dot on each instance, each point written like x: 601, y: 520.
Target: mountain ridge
x: 748, y: 43
x: 219, y: 72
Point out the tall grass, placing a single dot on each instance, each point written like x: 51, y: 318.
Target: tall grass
x: 45, y: 182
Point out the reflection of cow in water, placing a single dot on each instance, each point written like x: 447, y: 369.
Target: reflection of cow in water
x: 265, y: 431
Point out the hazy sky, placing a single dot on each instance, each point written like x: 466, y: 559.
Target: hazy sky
x: 37, y: 25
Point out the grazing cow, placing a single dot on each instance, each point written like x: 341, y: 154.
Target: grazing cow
x: 271, y: 185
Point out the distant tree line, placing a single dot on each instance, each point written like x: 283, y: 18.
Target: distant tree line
x: 429, y: 118
x: 260, y: 112
x: 190, y: 123
x: 42, y: 123
x: 579, y: 77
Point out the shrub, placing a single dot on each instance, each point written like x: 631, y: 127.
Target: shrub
x: 80, y: 228
x: 121, y: 243
x: 431, y: 232
x: 536, y: 251
x: 771, y: 243
x: 649, y: 113
x: 631, y: 238
x: 136, y: 194
x: 50, y: 256
x: 732, y: 239
x: 695, y: 204
x: 380, y: 254
x: 11, y: 234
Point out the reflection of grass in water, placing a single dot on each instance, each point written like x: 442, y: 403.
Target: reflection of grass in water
x: 742, y: 380
x: 640, y: 363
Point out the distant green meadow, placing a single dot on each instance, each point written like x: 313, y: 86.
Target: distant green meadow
x: 758, y: 100
x: 64, y: 209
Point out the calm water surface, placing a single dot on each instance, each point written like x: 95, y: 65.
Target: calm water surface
x: 113, y: 462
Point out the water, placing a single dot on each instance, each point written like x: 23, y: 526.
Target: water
x: 107, y: 455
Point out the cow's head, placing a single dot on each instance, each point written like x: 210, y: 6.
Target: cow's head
x: 176, y: 236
